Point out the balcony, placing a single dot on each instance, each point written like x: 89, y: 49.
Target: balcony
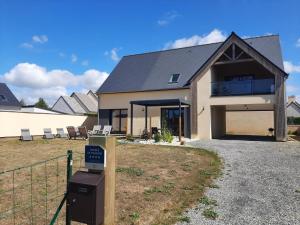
x: 243, y: 87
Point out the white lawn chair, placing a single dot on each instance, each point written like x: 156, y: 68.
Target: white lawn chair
x: 25, y: 135
x: 106, y: 130
x: 61, y: 133
x: 96, y: 130
x: 48, y: 133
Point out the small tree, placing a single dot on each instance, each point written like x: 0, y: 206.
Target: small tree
x: 22, y: 102
x: 41, y: 104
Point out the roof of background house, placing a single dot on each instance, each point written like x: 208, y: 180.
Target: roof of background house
x: 87, y: 101
x: 73, y: 104
x: 93, y: 95
x: 152, y: 71
x: 9, y: 98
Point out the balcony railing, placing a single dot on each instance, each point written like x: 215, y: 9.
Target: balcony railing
x: 244, y: 87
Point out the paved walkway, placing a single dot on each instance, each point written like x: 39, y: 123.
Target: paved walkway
x: 258, y: 186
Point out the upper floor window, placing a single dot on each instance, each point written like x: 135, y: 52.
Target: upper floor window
x: 3, y: 98
x: 174, y: 78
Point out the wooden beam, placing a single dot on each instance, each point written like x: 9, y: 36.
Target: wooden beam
x: 109, y: 144
x: 179, y: 121
x: 233, y: 51
x: 233, y: 61
x: 131, y: 119
x: 146, y: 118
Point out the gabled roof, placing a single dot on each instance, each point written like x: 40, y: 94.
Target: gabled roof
x: 10, y: 99
x: 86, y: 101
x: 152, y: 71
x: 295, y: 103
x: 73, y: 104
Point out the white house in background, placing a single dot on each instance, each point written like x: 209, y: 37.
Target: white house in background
x: 87, y: 102
x: 293, y: 107
x: 33, y: 109
x: 93, y: 95
x: 77, y: 103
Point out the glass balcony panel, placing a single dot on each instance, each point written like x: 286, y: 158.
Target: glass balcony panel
x: 243, y: 87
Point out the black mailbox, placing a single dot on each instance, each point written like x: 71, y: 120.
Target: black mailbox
x: 86, y: 197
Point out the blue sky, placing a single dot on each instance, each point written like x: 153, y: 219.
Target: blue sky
x: 54, y: 47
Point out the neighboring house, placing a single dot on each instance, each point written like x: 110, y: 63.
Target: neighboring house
x: 7, y: 99
x: 86, y: 101
x: 68, y: 105
x: 293, y: 107
x: 190, y: 90
x: 77, y: 103
x: 93, y: 95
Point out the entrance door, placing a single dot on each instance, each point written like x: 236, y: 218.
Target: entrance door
x: 170, y: 120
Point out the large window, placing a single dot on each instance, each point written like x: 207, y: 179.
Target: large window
x: 119, y: 120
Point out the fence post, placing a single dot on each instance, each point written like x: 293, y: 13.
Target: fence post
x: 69, y: 174
x: 109, y: 144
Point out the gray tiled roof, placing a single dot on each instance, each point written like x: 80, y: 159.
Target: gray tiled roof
x: 88, y: 101
x: 75, y: 106
x: 10, y: 99
x: 152, y: 71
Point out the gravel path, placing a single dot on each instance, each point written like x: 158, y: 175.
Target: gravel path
x: 258, y: 185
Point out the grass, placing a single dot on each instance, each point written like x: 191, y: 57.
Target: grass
x: 154, y: 184
x: 209, y: 213
x: 206, y: 201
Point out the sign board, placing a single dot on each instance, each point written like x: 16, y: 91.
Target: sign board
x: 95, y: 158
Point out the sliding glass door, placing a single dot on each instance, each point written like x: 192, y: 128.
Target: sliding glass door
x: 170, y: 120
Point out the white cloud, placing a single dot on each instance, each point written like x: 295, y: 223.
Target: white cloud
x: 26, y: 45
x: 289, y: 67
x: 167, y: 18
x: 74, y: 58
x: 31, y: 81
x: 85, y: 63
x: 298, y: 43
x: 40, y: 39
x: 214, y: 36
x: 113, y: 54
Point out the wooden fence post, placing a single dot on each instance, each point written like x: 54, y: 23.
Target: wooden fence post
x: 109, y: 144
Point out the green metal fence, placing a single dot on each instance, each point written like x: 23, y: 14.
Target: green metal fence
x: 32, y: 194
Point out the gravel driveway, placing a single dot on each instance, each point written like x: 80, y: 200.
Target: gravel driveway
x: 258, y: 185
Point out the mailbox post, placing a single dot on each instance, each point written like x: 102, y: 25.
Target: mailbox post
x: 109, y: 144
x: 91, y: 194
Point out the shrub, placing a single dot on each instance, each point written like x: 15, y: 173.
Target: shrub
x: 167, y: 136
x: 129, y: 137
x: 157, y: 137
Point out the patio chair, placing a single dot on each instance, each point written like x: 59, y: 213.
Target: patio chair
x: 96, y: 130
x: 146, y: 135
x: 25, y: 135
x: 48, y: 133
x: 61, y: 133
x: 72, y: 132
x: 83, y: 132
x: 106, y: 130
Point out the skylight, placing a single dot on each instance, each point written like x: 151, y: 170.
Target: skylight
x: 2, y: 98
x: 174, y: 78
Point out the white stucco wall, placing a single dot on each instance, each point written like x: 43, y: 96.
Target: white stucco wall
x: 11, y: 123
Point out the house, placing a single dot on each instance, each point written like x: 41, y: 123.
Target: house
x: 86, y: 101
x: 67, y: 105
x: 191, y: 90
x: 77, y: 103
x: 8, y: 100
x: 34, y: 109
x: 293, y: 107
